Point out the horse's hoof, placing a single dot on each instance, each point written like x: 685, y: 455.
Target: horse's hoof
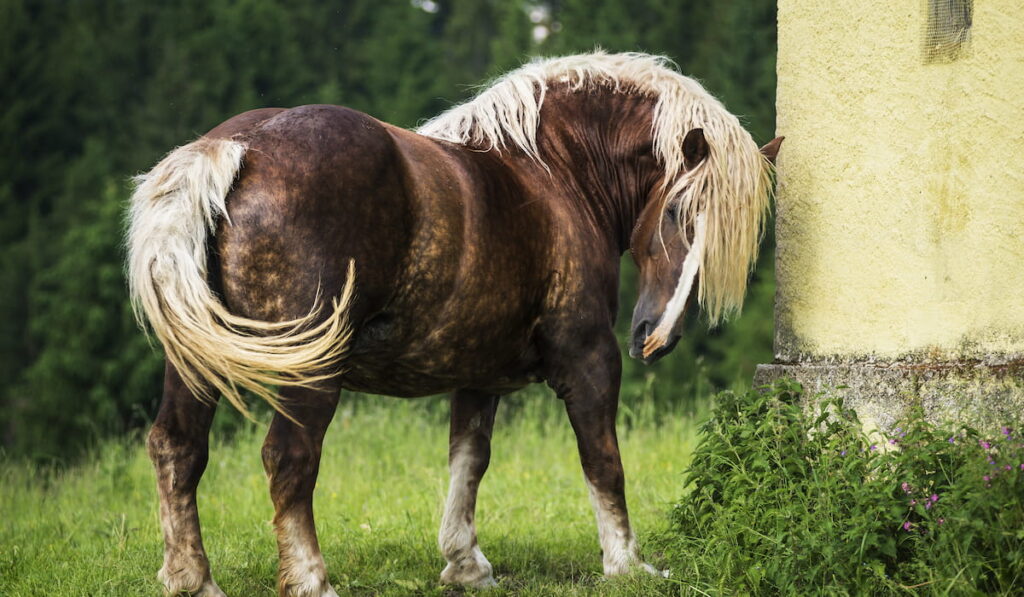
x: 188, y: 582
x: 634, y: 566
x: 323, y: 589
x: 654, y: 571
x: 472, y: 575
x: 210, y: 589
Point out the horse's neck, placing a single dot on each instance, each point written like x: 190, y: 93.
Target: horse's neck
x: 597, y: 145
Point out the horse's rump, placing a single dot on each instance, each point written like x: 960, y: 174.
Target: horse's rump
x: 174, y: 209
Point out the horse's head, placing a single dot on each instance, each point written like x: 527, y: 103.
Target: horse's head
x: 667, y: 246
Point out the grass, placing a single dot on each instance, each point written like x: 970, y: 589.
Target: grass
x: 93, y: 529
x: 778, y: 499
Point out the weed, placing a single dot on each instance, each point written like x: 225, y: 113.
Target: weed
x: 780, y: 499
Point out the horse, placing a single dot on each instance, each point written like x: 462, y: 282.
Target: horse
x: 293, y: 253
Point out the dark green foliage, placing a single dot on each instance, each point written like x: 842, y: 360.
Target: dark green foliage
x: 782, y: 501
x: 95, y: 369
x: 94, y: 92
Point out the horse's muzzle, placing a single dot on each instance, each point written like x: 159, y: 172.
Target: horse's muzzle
x: 636, y: 345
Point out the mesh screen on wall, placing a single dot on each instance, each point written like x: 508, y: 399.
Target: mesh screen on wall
x: 948, y: 34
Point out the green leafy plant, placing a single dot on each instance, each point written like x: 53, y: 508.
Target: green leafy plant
x: 787, y: 499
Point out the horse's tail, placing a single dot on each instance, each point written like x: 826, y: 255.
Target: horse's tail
x: 174, y: 209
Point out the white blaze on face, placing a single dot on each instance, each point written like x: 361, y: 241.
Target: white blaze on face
x: 674, y: 309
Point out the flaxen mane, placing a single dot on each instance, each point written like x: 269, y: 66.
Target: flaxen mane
x: 731, y: 187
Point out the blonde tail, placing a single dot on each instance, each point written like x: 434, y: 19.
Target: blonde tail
x: 174, y: 210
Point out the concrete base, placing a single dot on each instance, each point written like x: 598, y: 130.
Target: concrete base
x: 983, y: 396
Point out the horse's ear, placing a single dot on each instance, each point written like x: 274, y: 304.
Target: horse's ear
x: 695, y: 148
x: 771, y: 148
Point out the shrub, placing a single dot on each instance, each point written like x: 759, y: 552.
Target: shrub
x: 786, y: 500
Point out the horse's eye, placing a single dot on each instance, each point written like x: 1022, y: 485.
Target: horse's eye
x: 672, y: 211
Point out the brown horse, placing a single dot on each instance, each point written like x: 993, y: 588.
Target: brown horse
x: 316, y: 248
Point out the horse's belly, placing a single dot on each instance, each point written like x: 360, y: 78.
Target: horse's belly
x: 426, y: 368
x: 409, y: 383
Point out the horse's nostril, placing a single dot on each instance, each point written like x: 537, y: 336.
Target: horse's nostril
x: 643, y: 330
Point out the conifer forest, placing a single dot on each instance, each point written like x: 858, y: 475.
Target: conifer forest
x: 96, y: 91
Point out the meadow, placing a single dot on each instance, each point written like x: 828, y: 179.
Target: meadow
x: 92, y: 528
x: 754, y: 493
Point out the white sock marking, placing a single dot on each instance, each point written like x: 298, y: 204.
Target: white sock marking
x: 457, y: 537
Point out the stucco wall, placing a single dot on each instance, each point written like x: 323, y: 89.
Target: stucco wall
x: 901, y: 185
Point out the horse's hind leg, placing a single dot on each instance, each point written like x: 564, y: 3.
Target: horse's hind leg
x: 469, y: 452
x: 179, y: 447
x: 291, y: 457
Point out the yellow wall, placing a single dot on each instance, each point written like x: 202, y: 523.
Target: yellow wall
x: 901, y: 184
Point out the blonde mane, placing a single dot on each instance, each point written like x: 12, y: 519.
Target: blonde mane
x: 731, y: 187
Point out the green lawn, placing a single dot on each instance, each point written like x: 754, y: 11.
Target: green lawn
x: 93, y: 529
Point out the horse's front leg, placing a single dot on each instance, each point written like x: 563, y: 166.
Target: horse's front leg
x: 586, y: 377
x: 178, y: 445
x: 291, y: 457
x: 469, y: 452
